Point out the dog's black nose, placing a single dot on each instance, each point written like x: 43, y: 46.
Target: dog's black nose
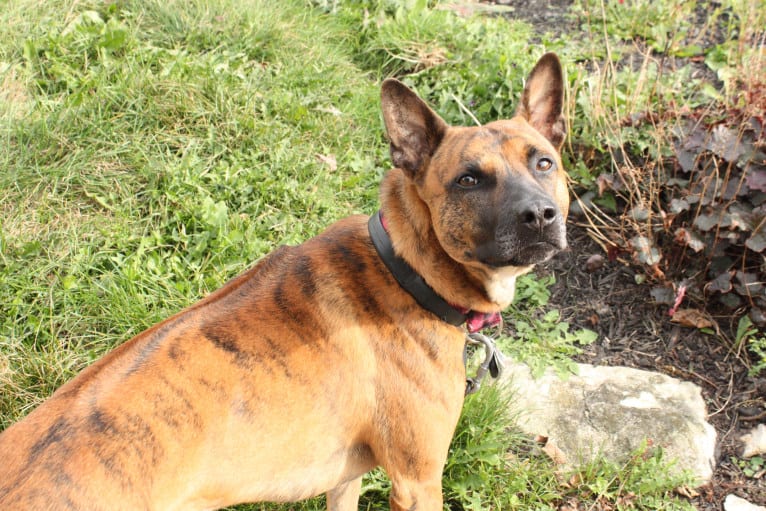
x: 537, y: 215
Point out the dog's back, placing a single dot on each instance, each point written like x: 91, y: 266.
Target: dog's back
x: 270, y: 367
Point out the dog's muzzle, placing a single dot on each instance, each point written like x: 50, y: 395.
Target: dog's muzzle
x: 532, y: 233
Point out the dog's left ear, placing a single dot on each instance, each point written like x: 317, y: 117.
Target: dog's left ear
x: 542, y: 101
x: 414, y: 130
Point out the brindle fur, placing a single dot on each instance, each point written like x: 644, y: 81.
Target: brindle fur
x: 313, y: 367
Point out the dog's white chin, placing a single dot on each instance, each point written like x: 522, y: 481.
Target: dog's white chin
x: 501, y: 284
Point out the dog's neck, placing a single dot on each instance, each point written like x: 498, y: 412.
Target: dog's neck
x: 414, y: 240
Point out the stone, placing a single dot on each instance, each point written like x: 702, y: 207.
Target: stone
x: 734, y: 503
x: 754, y: 442
x: 612, y: 411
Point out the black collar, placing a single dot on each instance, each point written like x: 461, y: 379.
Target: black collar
x: 408, y: 278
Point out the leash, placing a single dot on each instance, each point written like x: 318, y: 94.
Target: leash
x: 494, y: 361
x: 413, y: 283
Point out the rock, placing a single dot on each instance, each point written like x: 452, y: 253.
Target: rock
x: 754, y: 442
x: 594, y: 263
x: 734, y: 503
x: 468, y: 8
x: 611, y: 411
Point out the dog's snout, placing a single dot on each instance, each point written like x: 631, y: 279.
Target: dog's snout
x: 537, y: 215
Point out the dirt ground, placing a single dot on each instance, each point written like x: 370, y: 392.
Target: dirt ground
x: 636, y: 332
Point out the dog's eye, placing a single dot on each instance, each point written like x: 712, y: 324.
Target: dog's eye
x: 467, y: 181
x: 544, y: 164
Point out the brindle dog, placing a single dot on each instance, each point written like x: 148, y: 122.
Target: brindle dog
x: 316, y: 365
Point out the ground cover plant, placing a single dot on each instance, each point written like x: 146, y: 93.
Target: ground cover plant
x: 152, y: 150
x: 686, y: 165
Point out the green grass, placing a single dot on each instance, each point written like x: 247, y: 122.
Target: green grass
x: 151, y: 150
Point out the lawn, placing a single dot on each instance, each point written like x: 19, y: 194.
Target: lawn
x: 152, y: 150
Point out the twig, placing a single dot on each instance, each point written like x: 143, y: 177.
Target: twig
x: 465, y: 109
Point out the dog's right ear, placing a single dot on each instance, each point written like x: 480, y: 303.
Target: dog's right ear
x: 414, y: 130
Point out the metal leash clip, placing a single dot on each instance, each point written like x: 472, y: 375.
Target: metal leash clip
x: 494, y: 361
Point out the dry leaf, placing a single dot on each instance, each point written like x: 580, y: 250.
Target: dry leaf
x: 571, y: 504
x: 574, y: 481
x: 686, y: 491
x: 693, y: 318
x: 328, y: 160
x: 329, y: 110
x: 554, y: 453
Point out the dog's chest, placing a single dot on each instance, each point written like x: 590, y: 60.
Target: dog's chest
x: 501, y: 285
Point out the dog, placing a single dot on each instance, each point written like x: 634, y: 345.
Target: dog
x: 325, y: 359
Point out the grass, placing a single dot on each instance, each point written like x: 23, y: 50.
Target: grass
x: 152, y: 150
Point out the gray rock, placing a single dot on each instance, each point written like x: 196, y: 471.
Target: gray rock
x: 610, y: 411
x: 734, y: 503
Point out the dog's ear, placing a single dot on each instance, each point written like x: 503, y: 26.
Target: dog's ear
x: 542, y: 101
x: 414, y: 130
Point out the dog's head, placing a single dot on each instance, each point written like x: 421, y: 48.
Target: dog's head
x: 497, y: 193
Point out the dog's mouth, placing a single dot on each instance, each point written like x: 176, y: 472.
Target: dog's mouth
x: 534, y: 253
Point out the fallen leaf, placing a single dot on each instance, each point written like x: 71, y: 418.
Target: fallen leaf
x: 613, y: 252
x: 574, y: 481
x: 328, y: 160
x: 605, y: 182
x: 571, y: 504
x: 626, y: 501
x: 686, y: 491
x: 329, y: 110
x: 693, y: 318
x: 554, y: 453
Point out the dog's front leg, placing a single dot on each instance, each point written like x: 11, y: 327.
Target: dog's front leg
x: 345, y: 497
x: 420, y: 495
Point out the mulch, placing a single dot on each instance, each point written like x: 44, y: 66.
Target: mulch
x: 634, y: 331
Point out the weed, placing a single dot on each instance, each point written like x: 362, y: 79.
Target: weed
x: 644, y: 481
x: 749, y: 337
x: 754, y: 467
x: 541, y: 340
x: 681, y: 177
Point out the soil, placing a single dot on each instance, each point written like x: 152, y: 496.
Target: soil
x: 634, y: 331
